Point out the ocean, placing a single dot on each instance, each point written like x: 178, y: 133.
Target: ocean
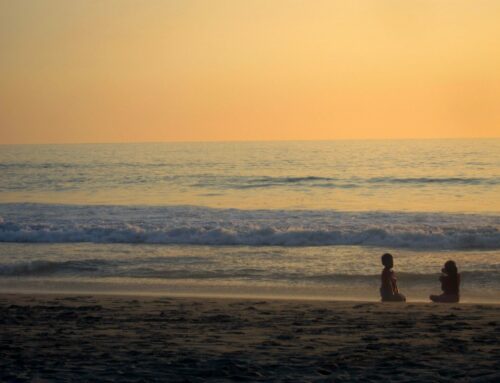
x: 261, y: 219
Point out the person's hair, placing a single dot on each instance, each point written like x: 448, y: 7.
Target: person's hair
x: 451, y: 268
x: 386, y: 258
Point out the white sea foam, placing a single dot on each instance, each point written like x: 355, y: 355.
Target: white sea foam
x: 44, y: 223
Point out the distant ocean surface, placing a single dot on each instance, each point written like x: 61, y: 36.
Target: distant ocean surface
x: 294, y: 219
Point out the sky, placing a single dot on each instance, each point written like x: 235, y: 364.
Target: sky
x: 183, y: 70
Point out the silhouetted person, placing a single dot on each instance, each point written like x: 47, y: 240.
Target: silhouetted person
x: 389, y: 289
x: 450, y: 284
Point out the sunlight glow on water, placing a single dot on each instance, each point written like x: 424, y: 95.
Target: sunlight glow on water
x: 428, y: 175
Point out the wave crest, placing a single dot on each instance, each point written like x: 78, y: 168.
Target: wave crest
x: 184, y: 225
x: 411, y: 237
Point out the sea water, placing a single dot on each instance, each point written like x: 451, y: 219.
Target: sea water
x: 288, y: 219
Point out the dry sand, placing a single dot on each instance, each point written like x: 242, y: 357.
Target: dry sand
x: 130, y: 339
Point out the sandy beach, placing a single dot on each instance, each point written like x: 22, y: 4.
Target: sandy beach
x: 46, y: 338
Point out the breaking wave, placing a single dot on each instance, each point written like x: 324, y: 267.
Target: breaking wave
x: 42, y: 267
x: 414, y: 237
x: 184, y: 225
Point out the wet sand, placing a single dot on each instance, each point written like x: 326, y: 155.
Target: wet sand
x: 146, y: 339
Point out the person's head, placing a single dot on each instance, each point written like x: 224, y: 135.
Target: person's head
x: 450, y: 268
x: 387, y: 260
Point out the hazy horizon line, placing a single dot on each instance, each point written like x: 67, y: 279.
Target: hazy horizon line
x: 247, y: 141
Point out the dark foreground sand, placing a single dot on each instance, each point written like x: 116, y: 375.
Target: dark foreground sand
x: 94, y: 338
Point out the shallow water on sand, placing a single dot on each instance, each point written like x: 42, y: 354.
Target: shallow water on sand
x: 322, y: 272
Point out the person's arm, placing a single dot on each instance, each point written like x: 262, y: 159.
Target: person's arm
x: 445, y: 284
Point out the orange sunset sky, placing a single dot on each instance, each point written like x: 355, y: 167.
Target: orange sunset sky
x: 125, y: 71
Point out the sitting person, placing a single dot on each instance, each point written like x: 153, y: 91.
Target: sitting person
x: 450, y: 284
x: 389, y: 289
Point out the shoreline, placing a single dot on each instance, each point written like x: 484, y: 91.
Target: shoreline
x: 61, y: 337
x: 230, y: 297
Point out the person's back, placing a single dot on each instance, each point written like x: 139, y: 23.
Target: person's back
x: 388, y: 283
x: 389, y: 289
